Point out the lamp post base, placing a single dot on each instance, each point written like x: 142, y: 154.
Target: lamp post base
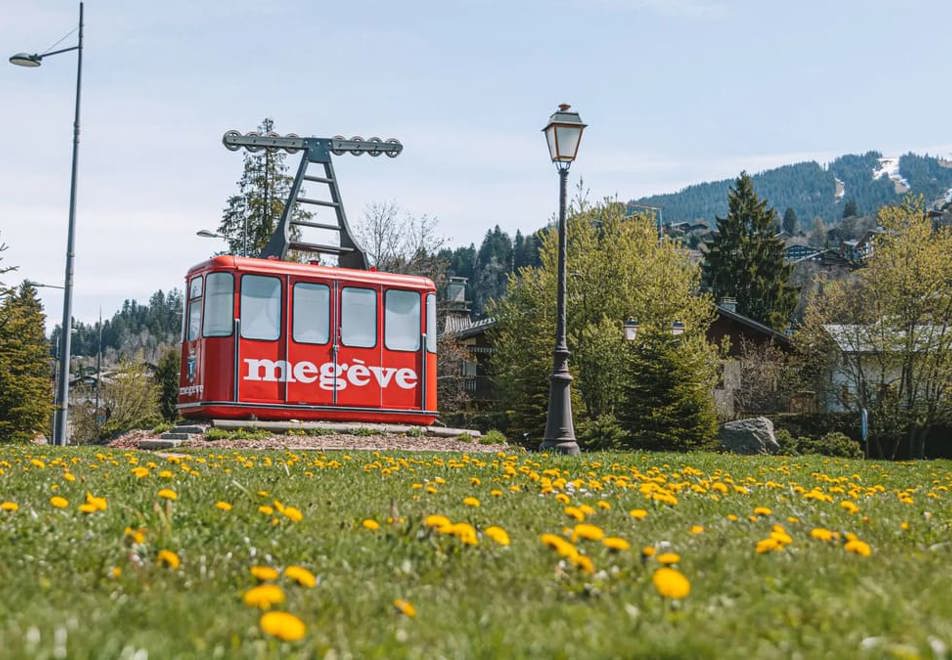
x: 559, y: 427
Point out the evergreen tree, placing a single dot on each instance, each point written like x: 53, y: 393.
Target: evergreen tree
x: 167, y: 378
x: 850, y: 209
x: 250, y: 216
x: 790, y: 221
x: 745, y: 259
x: 668, y: 395
x: 26, y: 390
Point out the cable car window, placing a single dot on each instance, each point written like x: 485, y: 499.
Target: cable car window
x: 358, y: 317
x: 402, y: 320
x: 194, y: 316
x: 260, y: 307
x: 311, y: 313
x: 431, y: 322
x: 219, y: 306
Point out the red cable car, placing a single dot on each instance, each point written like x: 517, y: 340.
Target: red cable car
x: 270, y: 339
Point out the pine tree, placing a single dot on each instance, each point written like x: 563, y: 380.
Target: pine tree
x: 850, y: 209
x: 790, y: 222
x: 26, y: 390
x: 745, y: 259
x: 250, y: 216
x: 668, y: 395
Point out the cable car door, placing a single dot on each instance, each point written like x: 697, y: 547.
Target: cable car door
x: 310, y: 344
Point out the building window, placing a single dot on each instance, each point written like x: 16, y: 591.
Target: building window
x: 402, y: 320
x: 219, y: 305
x: 311, y: 313
x: 260, y: 307
x: 358, y: 317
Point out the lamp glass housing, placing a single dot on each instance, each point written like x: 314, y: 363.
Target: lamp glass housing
x: 25, y: 59
x: 631, y: 330
x: 677, y: 328
x: 564, y: 134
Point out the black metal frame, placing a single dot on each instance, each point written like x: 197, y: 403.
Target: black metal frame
x: 316, y: 150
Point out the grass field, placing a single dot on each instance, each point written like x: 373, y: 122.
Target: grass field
x: 147, y: 554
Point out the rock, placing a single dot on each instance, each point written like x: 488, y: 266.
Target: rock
x: 749, y: 436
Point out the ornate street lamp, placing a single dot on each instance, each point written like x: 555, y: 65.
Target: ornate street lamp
x: 60, y: 435
x: 564, y: 134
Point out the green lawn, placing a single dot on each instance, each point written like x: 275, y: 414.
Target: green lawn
x: 75, y: 584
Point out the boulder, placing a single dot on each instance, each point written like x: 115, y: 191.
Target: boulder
x: 749, y: 436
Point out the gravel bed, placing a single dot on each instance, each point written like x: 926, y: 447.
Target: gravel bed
x: 383, y: 442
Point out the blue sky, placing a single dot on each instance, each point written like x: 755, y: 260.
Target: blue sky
x: 674, y: 92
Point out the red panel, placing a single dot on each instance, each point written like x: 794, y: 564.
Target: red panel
x: 360, y: 376
x: 311, y: 375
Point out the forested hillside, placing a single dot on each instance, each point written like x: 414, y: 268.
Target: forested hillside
x: 135, y: 328
x: 812, y: 190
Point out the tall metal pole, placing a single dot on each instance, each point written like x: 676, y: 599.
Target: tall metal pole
x: 60, y: 434
x: 559, y: 427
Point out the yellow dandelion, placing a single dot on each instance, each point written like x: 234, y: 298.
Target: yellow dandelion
x: 301, y: 575
x: 495, y: 492
x: 762, y: 511
x: 167, y: 494
x: 648, y: 551
x: 436, y: 521
x: 732, y: 517
x: 371, y: 524
x: 858, y: 547
x: 405, y: 607
x: 471, y: 501
x: 263, y: 596
x: 9, y: 506
x: 562, y: 498
x: 821, y: 534
x: 497, y: 534
x: 282, y: 625
x: 140, y: 472
x: 135, y: 535
x: 638, y: 514
x: 87, y: 508
x: 575, y: 513
x: 293, y: 514
x: 616, y: 544
x: 671, y: 583
x: 115, y: 572
x: 265, y: 509
x: 582, y: 563
x: 588, y: 533
x: 769, y: 544
x: 465, y: 532
x: 603, y: 505
x: 697, y: 529
x: 59, y: 502
x: 849, y: 506
x: 264, y: 573
x: 169, y: 559
x: 223, y: 506
x: 668, y: 558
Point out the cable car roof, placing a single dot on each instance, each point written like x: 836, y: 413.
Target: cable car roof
x: 278, y: 267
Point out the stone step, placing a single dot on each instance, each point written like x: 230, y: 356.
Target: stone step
x: 159, y: 443
x: 173, y: 435
x: 189, y: 428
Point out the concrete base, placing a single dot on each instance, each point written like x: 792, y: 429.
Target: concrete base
x: 342, y: 427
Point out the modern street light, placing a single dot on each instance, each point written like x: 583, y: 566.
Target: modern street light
x: 564, y: 134
x: 205, y: 233
x: 62, y: 387
x: 37, y: 285
x: 631, y: 330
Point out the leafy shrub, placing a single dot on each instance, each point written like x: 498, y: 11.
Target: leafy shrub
x: 817, y: 425
x: 492, y: 437
x: 415, y: 432
x: 163, y: 427
x: 465, y: 437
x: 788, y: 444
x: 363, y: 431
x: 832, y: 444
x: 237, y: 434
x: 602, y: 433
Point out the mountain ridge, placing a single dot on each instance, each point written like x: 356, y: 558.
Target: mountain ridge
x: 871, y: 180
